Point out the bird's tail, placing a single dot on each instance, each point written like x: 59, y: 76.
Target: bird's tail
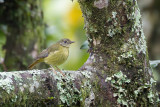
x: 34, y: 63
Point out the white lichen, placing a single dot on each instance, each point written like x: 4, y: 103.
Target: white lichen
x: 122, y: 92
x: 6, y: 82
x: 114, y: 14
x: 138, y: 29
x: 21, y: 88
x: 89, y: 101
x: 31, y: 88
x: 114, y: 28
x: 86, y: 74
x: 67, y: 89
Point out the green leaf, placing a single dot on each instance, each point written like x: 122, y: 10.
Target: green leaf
x: 154, y: 63
x: 85, y: 45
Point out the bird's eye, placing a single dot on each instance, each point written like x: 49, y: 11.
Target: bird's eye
x: 65, y: 41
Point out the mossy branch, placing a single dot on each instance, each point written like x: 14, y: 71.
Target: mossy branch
x: 43, y: 87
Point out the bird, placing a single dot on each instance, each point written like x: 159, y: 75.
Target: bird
x: 54, y: 55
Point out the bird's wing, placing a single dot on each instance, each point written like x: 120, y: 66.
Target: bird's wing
x: 43, y: 54
x: 47, y: 51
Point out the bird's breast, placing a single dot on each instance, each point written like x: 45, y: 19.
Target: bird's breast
x: 57, y: 57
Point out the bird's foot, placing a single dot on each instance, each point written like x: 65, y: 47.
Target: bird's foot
x: 53, y: 70
x: 60, y: 71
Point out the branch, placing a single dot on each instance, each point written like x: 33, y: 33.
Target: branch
x: 43, y: 87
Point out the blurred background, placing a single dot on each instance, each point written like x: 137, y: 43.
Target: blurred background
x: 63, y: 19
x: 26, y: 28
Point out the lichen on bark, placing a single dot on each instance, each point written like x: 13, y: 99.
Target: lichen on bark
x: 44, y: 88
x: 117, y: 44
x: 25, y: 88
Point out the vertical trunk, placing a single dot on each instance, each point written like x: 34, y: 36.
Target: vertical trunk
x: 25, y: 36
x: 118, y: 52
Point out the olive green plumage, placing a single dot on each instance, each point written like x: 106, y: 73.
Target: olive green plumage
x: 54, y: 55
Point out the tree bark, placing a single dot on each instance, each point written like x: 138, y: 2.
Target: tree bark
x: 118, y: 50
x: 44, y: 88
x: 117, y: 72
x: 24, y: 32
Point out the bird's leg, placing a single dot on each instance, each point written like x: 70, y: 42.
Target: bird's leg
x: 53, y: 69
x: 60, y: 71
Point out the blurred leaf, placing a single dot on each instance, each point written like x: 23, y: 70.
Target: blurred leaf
x: 154, y: 63
x: 85, y: 45
x: 2, y: 42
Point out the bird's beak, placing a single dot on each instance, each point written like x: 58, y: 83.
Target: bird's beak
x: 72, y: 42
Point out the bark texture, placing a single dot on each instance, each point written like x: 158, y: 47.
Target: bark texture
x: 118, y: 52
x: 24, y: 31
x: 44, y: 88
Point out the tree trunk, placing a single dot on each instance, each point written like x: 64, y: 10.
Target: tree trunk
x: 118, y: 52
x: 24, y: 31
x: 117, y: 72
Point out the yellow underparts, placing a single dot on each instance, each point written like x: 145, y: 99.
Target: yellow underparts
x: 57, y: 57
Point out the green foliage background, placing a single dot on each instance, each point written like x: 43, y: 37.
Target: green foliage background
x: 64, y: 19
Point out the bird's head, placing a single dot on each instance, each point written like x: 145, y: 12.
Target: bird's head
x: 65, y: 42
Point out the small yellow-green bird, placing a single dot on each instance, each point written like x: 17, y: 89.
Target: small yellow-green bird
x: 54, y: 55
